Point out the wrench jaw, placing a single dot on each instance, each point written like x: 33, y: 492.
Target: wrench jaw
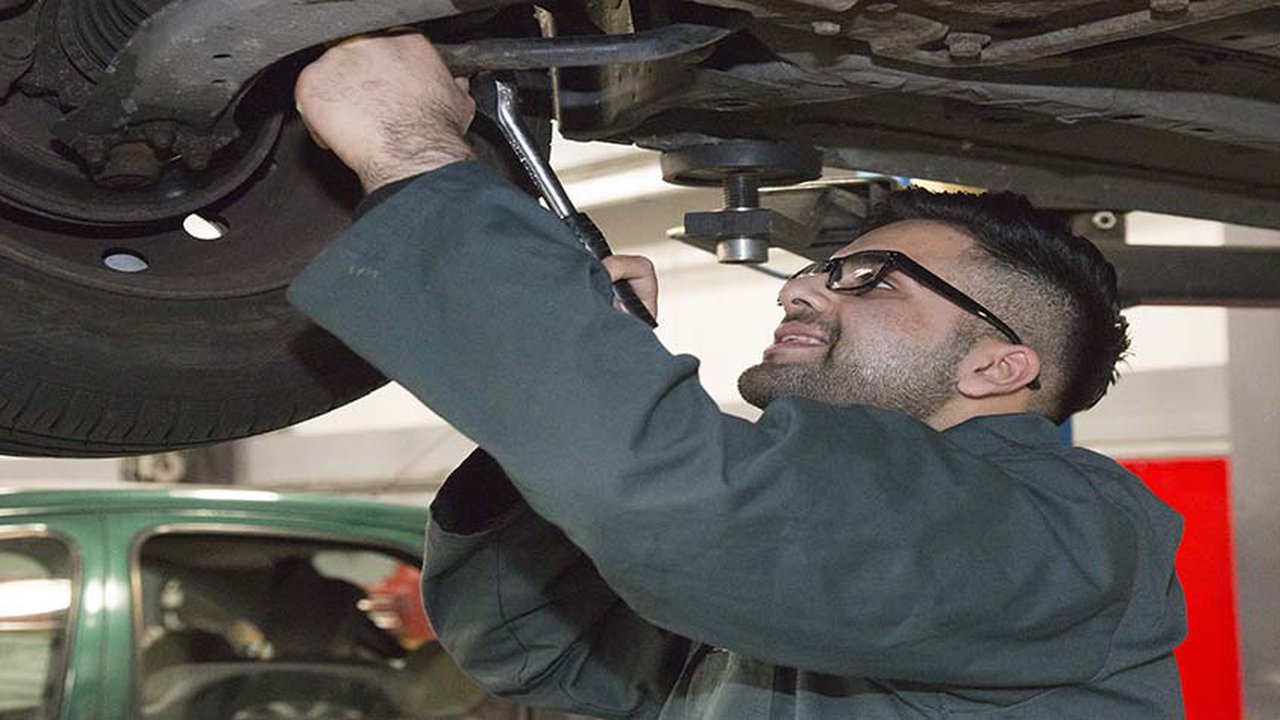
x: 498, y: 100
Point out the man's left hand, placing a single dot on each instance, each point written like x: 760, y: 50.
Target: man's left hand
x: 638, y: 271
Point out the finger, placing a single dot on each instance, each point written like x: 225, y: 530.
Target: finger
x: 640, y: 273
x: 629, y: 267
x: 315, y: 137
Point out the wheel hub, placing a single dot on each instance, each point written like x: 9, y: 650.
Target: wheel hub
x: 154, y: 174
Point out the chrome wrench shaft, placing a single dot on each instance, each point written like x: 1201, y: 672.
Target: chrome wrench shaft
x: 498, y: 100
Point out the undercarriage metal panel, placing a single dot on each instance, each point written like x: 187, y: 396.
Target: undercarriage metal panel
x: 1170, y: 127
x: 1228, y: 277
x: 948, y: 35
x: 192, y: 58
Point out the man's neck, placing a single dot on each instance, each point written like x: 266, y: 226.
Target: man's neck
x: 962, y: 409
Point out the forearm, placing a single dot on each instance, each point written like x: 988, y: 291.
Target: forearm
x: 515, y: 342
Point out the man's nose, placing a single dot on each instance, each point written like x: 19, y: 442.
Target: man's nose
x: 806, y: 292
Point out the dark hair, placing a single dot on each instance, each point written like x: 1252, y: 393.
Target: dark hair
x: 1054, y: 287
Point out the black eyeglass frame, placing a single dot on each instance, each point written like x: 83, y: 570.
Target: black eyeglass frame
x: 893, y: 260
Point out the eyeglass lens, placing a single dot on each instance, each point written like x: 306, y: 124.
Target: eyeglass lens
x: 851, y: 272
x: 855, y: 272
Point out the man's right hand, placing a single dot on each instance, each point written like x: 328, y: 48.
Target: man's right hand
x: 387, y: 106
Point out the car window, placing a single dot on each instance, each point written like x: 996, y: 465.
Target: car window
x: 249, y: 627
x: 36, y: 590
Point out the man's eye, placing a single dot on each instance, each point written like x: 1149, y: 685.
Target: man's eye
x: 883, y: 284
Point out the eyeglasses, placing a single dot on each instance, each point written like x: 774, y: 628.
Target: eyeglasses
x: 858, y: 272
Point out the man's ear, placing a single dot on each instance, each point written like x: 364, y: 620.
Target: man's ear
x: 993, y: 368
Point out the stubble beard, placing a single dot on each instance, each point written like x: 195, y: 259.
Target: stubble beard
x: 910, y: 380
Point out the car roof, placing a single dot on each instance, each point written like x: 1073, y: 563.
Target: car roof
x: 117, y: 499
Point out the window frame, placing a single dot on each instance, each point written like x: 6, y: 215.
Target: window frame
x: 403, y: 552
x: 59, y: 666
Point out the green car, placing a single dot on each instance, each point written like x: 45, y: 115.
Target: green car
x: 220, y: 603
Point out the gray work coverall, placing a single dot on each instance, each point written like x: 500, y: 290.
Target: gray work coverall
x: 650, y: 556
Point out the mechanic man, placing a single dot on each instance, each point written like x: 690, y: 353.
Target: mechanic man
x: 901, y: 534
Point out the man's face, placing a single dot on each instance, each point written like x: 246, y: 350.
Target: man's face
x: 895, y: 346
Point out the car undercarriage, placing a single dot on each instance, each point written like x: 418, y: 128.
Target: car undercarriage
x: 158, y: 193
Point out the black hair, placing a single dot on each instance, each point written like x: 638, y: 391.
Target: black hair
x: 1053, y: 286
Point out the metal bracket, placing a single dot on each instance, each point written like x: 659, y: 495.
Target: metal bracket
x: 1166, y: 275
x: 191, y: 60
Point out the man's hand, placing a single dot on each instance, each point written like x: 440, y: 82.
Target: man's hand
x: 639, y: 272
x: 387, y: 106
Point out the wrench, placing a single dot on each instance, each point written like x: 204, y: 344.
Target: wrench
x: 497, y: 100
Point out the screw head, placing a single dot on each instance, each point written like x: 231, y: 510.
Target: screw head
x: 1170, y: 7
x: 966, y: 46
x: 826, y: 28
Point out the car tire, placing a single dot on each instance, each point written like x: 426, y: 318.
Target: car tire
x: 193, y: 344
x: 136, y: 332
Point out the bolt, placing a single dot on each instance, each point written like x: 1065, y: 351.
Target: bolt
x: 92, y: 148
x: 198, y: 158
x: 966, y: 46
x: 741, y: 190
x: 196, y: 151
x: 130, y: 165
x: 1170, y: 7
x: 826, y: 27
x: 742, y: 250
x: 1104, y: 220
x: 160, y: 135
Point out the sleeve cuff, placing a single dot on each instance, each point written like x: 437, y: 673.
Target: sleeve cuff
x: 376, y: 198
x: 475, y: 497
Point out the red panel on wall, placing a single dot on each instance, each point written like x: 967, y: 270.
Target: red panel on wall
x: 1209, y: 660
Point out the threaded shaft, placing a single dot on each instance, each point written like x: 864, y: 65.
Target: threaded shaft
x: 742, y: 190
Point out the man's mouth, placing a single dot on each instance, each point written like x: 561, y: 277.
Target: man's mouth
x: 796, y: 337
x: 798, y: 340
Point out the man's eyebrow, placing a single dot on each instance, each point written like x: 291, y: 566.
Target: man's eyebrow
x: 896, y: 273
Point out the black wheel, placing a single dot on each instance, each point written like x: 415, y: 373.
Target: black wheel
x: 144, y: 301
x: 144, y: 318
x: 132, y: 339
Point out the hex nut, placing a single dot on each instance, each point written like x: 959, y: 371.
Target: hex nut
x: 1104, y: 220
